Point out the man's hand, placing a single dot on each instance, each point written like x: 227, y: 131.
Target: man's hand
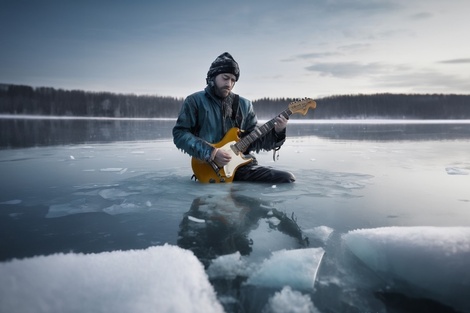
x: 222, y: 157
x: 280, y: 123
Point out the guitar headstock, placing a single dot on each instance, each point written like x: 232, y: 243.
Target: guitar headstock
x: 302, y: 106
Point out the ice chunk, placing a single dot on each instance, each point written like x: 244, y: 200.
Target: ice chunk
x: 121, y: 208
x: 119, y: 170
x: 111, y: 169
x: 16, y: 201
x: 76, y: 206
x: 163, y: 279
x: 114, y: 193
x: 227, y: 266
x: 456, y: 171
x: 429, y: 262
x: 321, y: 233
x: 290, y: 301
x: 194, y: 219
x: 296, y: 268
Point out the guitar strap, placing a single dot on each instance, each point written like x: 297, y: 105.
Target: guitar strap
x: 235, y: 105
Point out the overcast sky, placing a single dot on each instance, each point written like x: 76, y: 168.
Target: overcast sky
x: 292, y: 48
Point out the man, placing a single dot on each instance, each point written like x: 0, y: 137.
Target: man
x: 207, y: 115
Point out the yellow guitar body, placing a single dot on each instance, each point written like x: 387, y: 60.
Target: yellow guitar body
x: 206, y: 173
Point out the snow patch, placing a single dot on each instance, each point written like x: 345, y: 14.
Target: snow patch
x: 163, y: 279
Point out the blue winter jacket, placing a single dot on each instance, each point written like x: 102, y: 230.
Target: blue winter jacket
x: 201, y: 123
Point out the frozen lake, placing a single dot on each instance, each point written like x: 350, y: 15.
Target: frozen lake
x: 76, y: 187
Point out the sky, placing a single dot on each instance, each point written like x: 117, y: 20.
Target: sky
x: 295, y: 48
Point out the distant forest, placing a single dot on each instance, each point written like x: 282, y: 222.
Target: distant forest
x: 26, y: 100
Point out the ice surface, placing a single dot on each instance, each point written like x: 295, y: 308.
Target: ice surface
x: 158, y: 279
x: 133, y: 195
x: 428, y: 262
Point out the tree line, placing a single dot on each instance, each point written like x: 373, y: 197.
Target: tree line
x: 21, y: 100
x: 17, y: 99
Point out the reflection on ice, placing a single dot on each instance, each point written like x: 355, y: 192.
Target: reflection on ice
x: 237, y: 223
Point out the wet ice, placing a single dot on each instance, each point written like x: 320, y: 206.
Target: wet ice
x: 125, y: 196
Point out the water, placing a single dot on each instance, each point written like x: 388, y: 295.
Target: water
x: 103, y: 185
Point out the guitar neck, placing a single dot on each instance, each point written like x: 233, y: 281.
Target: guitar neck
x: 259, y: 132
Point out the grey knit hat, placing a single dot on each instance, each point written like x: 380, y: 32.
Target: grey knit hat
x: 223, y: 64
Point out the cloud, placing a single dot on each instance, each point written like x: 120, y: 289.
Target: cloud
x: 402, y: 77
x: 421, y: 16
x: 425, y: 80
x: 456, y: 61
x: 367, y: 6
x: 310, y: 56
x: 347, y: 69
x: 354, y: 47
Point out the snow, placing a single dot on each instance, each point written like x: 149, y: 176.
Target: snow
x: 158, y: 279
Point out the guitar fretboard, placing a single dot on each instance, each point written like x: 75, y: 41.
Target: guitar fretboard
x: 259, y: 132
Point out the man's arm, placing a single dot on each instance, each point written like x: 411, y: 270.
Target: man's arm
x: 184, y: 133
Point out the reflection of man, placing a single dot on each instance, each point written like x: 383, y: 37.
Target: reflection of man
x: 219, y: 225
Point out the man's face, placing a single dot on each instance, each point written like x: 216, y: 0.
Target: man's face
x: 223, y: 84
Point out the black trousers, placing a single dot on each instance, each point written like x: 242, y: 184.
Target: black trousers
x: 264, y: 174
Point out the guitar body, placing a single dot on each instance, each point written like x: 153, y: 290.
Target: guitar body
x: 207, y: 172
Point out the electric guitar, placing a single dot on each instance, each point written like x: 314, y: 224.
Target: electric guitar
x: 210, y: 172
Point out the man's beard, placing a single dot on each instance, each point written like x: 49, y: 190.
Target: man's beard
x: 219, y: 92
x: 227, y: 105
x: 226, y: 102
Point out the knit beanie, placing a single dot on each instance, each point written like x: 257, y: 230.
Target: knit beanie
x: 223, y: 64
